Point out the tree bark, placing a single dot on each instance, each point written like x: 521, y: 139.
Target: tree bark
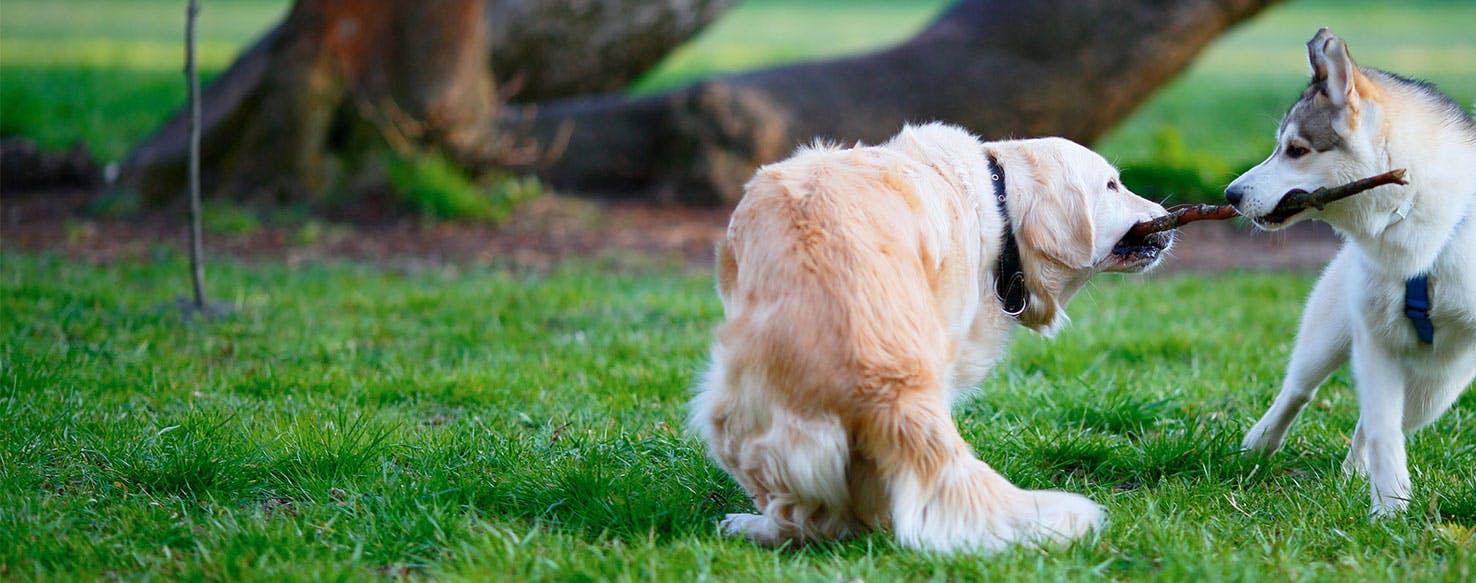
x: 310, y: 111
x: 1001, y: 68
x: 546, y: 49
x: 312, y: 108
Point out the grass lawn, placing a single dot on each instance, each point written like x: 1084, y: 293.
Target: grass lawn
x: 108, y: 72
x: 351, y: 421
x: 480, y: 423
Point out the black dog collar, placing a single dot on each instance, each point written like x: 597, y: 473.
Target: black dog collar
x: 1009, y: 275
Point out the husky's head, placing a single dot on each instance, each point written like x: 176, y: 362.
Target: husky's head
x: 1328, y: 137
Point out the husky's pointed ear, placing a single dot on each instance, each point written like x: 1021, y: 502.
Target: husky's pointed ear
x: 1315, y: 57
x: 1332, y: 67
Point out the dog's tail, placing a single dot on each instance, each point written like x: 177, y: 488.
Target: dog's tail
x: 942, y: 498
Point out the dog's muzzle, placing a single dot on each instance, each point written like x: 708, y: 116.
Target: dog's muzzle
x: 1278, y: 216
x: 1144, y: 250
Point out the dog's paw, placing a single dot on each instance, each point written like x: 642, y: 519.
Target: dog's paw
x: 755, y: 527
x: 1027, y: 518
x: 1387, y: 507
x: 1060, y: 517
x: 1262, y: 439
x: 1390, y: 490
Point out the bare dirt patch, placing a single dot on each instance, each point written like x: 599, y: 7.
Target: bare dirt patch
x: 539, y: 235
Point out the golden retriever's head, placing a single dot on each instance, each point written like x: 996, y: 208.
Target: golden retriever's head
x: 1070, y: 214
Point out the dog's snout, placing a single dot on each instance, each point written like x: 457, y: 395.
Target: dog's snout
x: 1234, y: 194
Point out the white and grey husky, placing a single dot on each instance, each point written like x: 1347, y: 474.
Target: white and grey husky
x: 1400, y: 297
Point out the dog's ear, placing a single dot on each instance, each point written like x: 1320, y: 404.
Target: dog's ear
x: 1052, y: 218
x: 1315, y: 57
x: 1333, y: 67
x: 1056, y: 217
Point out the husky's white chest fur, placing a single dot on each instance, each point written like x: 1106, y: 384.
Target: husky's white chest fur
x: 1403, y: 245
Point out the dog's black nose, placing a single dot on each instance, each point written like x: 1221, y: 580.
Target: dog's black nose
x: 1234, y: 195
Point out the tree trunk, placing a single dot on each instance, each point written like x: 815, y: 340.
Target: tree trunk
x: 312, y: 109
x: 546, y: 49
x: 315, y: 106
x: 1001, y: 68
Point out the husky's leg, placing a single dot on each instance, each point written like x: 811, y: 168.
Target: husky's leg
x: 1380, y: 384
x: 943, y: 498
x: 1428, y: 399
x: 1356, y: 464
x: 1321, y: 347
x: 1423, y: 404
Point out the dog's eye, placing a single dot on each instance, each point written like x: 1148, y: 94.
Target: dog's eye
x: 1294, y: 151
x: 1112, y: 185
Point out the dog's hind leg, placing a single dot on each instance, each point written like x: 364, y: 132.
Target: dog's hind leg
x: 794, y: 469
x: 796, y: 473
x: 1427, y: 399
x: 1422, y: 405
x: 942, y: 498
x: 1380, y: 383
x: 1322, y: 345
x: 1424, y: 402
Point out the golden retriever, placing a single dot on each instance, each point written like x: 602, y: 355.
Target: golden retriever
x: 863, y: 295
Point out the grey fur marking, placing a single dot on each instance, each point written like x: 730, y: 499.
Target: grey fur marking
x: 1315, y: 114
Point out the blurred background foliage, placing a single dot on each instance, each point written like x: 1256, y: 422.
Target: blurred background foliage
x: 105, y: 73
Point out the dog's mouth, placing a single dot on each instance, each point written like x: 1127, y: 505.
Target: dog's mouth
x: 1139, y: 252
x: 1279, y: 216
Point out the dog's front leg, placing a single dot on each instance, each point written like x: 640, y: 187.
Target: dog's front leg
x: 1379, y: 438
x: 1321, y: 347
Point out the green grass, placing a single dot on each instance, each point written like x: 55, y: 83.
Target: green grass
x: 1225, y: 109
x: 353, y: 422
x: 106, y: 72
x: 482, y: 423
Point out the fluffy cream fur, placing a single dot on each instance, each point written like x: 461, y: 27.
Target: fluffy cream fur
x: 858, y: 289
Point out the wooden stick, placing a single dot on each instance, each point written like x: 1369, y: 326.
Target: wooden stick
x: 1181, y: 215
x: 1300, y: 200
x: 1293, y: 203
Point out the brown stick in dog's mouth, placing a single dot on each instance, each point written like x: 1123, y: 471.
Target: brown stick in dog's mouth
x: 1181, y: 215
x: 1299, y: 200
x: 1294, y: 202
